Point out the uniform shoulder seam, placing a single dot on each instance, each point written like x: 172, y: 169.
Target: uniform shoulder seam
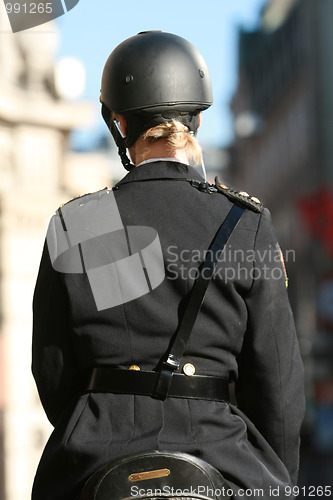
x: 82, y: 196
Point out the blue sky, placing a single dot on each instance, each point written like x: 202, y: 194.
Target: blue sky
x: 94, y: 27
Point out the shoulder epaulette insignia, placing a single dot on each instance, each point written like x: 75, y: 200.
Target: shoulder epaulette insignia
x: 81, y: 196
x: 241, y: 197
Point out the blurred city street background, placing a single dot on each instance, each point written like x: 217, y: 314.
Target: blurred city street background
x: 269, y: 133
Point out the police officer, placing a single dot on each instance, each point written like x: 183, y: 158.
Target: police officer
x: 114, y: 279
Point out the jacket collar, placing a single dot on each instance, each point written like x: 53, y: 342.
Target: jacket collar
x: 161, y: 170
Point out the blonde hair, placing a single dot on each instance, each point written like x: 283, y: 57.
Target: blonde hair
x: 178, y: 136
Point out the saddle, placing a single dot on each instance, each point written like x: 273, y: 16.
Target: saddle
x: 157, y: 475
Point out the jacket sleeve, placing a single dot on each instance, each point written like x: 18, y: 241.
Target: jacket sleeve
x: 270, y: 388
x: 53, y: 362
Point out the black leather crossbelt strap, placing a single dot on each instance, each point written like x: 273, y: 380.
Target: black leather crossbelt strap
x: 195, y: 301
x: 118, y: 381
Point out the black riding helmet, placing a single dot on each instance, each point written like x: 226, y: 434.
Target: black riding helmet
x: 150, y: 79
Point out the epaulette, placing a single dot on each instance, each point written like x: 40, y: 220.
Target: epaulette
x: 241, y: 197
x: 81, y: 196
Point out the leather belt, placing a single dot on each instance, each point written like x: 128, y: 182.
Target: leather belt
x: 118, y: 381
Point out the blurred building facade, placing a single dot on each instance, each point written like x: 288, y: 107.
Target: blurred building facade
x: 283, y: 154
x: 37, y: 174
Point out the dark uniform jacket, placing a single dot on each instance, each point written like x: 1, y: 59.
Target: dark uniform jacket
x: 244, y: 332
